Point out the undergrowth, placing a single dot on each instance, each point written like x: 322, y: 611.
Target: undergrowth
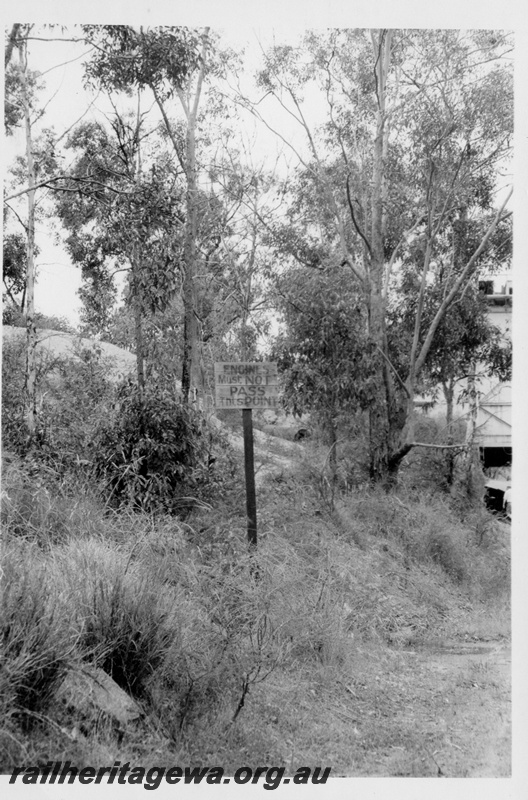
x: 197, y: 631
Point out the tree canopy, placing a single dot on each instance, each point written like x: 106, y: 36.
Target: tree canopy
x: 365, y: 236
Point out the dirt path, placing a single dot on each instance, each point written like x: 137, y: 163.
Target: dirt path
x: 478, y: 714
x: 453, y: 719
x: 273, y: 455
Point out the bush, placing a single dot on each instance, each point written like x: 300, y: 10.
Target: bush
x: 446, y: 550
x: 11, y: 315
x: 429, y: 468
x: 77, y: 395
x: 427, y: 529
x: 73, y: 393
x: 156, y: 454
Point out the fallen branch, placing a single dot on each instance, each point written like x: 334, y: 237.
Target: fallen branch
x: 439, y: 446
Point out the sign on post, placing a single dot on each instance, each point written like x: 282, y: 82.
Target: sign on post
x: 247, y: 385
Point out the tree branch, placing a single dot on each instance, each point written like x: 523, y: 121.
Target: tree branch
x: 464, y: 275
x: 356, y: 226
x: 393, y: 368
x: 63, y: 188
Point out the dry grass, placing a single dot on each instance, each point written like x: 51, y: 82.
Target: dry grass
x: 279, y: 659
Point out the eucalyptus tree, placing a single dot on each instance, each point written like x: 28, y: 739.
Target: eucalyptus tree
x: 14, y: 271
x: 242, y: 287
x: 122, y: 207
x: 170, y: 62
x: 182, y: 69
x: 417, y: 129
x: 20, y: 83
x: 323, y: 350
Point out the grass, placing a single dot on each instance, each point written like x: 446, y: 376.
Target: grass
x: 302, y: 660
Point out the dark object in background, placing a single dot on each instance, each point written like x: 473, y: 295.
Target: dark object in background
x: 495, y: 493
x: 302, y: 433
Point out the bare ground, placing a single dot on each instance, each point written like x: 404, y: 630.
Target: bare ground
x: 443, y: 710
x: 452, y: 706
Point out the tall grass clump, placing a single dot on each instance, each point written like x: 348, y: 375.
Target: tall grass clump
x: 124, y: 618
x: 182, y: 640
x: 38, y: 506
x: 38, y: 637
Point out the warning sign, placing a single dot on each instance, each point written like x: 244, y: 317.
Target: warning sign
x: 246, y: 385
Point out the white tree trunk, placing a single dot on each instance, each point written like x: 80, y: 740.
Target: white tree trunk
x: 31, y: 367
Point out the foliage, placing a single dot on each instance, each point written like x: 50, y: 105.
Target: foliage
x: 13, y: 316
x: 13, y: 106
x: 154, y: 454
x: 44, y: 509
x: 125, y: 621
x: 112, y: 214
x: 173, y: 612
x: 399, y: 177
x: 73, y: 394
x: 14, y: 265
x: 464, y: 337
x: 14, y: 433
x: 127, y: 57
x: 219, y: 258
x: 78, y: 397
x: 324, y: 355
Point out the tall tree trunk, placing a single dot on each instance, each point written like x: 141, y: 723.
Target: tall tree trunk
x: 379, y: 423
x: 192, y: 368
x: 136, y: 275
x: 190, y: 325
x: 471, y: 428
x: 31, y: 366
x: 449, y: 395
x: 11, y: 43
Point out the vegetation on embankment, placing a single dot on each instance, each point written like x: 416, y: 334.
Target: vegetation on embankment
x: 229, y: 664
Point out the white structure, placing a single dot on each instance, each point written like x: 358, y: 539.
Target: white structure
x: 494, y: 420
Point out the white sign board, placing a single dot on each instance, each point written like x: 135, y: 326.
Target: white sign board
x: 246, y: 385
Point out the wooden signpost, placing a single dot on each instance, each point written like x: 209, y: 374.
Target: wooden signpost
x: 247, y: 385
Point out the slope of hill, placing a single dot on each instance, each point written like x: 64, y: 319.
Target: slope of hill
x: 58, y: 343
x: 272, y: 454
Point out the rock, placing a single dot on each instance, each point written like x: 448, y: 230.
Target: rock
x: 90, y: 690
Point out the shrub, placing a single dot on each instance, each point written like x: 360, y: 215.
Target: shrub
x: 432, y: 469
x: 72, y: 394
x: 78, y: 395
x: 425, y: 528
x: 155, y: 454
x: 12, y: 315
